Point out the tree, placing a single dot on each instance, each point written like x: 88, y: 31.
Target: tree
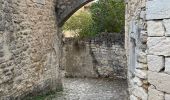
x: 109, y: 15
x: 103, y: 16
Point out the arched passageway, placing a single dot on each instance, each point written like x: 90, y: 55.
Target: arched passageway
x: 101, y: 57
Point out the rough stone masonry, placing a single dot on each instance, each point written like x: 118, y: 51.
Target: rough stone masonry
x: 147, y: 45
x: 99, y: 56
x: 29, y: 48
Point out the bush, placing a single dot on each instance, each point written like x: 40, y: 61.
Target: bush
x: 81, y: 23
x: 103, y: 16
x: 109, y: 15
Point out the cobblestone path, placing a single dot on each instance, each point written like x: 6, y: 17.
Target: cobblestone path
x: 92, y: 89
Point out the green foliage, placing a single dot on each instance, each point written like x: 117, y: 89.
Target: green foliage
x: 103, y: 16
x: 109, y: 15
x: 81, y: 23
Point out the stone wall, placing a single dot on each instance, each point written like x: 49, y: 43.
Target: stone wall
x: 101, y: 56
x: 147, y: 45
x: 29, y: 48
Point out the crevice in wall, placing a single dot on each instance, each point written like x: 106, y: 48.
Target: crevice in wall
x: 163, y: 69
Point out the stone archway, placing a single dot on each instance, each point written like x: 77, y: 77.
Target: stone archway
x: 89, y: 60
x: 65, y: 8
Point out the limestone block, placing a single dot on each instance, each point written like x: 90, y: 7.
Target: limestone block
x: 159, y: 46
x: 157, y: 9
x: 166, y: 23
x: 137, y: 81
x: 132, y: 97
x: 154, y: 94
x: 143, y: 36
x: 155, y: 28
x: 141, y: 66
x: 167, y: 65
x: 141, y: 73
x: 155, y: 63
x: 167, y: 96
x: 142, y: 14
x: 140, y: 92
x: 142, y: 58
x: 160, y: 80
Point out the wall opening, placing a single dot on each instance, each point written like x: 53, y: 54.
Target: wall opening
x: 94, y: 63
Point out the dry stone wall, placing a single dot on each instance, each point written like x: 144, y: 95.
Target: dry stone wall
x: 101, y: 56
x: 29, y: 48
x: 147, y: 45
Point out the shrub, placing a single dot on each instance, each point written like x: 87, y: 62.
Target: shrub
x: 103, y: 16
x: 109, y: 15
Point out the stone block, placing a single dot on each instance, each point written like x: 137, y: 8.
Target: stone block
x: 132, y: 97
x: 141, y: 73
x: 154, y: 94
x: 143, y: 36
x: 140, y: 93
x: 166, y: 23
x: 142, y: 58
x: 142, y: 14
x: 137, y: 81
x: 167, y: 65
x: 167, y: 96
x: 159, y: 46
x: 157, y: 9
x: 141, y: 66
x: 160, y: 80
x: 155, y: 63
x: 155, y: 28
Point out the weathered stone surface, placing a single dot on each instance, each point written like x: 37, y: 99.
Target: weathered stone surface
x: 140, y: 92
x: 155, y: 63
x: 166, y: 23
x: 102, y: 56
x: 28, y: 31
x: 167, y: 96
x: 155, y: 28
x: 159, y: 46
x: 154, y: 94
x: 141, y: 57
x: 132, y: 97
x: 143, y: 36
x: 141, y: 73
x: 39, y: 1
x: 167, y: 65
x: 160, y: 81
x: 157, y: 9
x: 137, y: 81
x: 141, y: 66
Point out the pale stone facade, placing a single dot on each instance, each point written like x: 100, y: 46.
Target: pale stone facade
x: 147, y: 24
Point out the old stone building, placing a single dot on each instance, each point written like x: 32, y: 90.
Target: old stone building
x: 30, y: 46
